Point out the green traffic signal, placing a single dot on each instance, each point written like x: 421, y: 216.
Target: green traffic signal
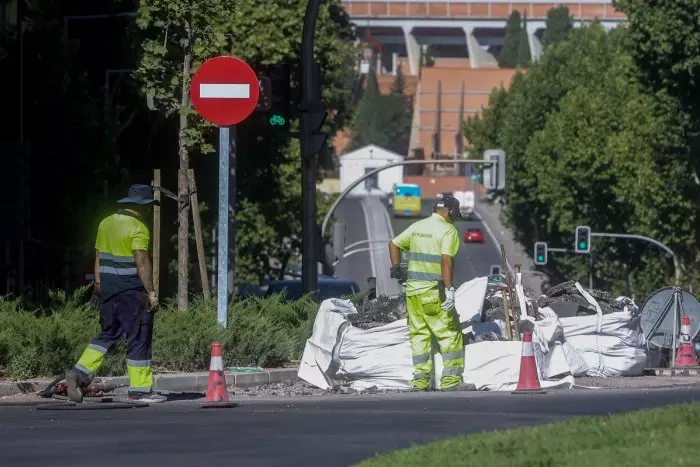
x: 540, y: 258
x: 582, y: 245
x: 277, y: 120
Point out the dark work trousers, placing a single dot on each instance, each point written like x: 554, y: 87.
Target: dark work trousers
x: 124, y: 315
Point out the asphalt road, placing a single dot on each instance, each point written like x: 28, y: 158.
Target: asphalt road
x: 356, y: 267
x: 473, y: 259
x: 324, y: 430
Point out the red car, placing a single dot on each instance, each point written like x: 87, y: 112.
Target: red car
x: 473, y: 236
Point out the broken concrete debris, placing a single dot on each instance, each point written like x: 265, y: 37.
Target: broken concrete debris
x: 378, y: 311
x: 564, y: 299
x: 567, y: 301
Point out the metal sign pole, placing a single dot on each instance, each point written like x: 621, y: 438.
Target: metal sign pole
x: 222, y: 253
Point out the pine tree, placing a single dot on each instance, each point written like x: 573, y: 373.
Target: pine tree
x: 370, y: 116
x: 398, y: 117
x: 524, y: 46
x: 511, y: 43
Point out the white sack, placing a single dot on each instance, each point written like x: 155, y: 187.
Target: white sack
x: 495, y: 366
x: 378, y: 357
x: 469, y: 299
x: 612, y: 344
x: 331, y: 321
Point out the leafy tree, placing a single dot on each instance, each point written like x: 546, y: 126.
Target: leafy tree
x: 558, y: 25
x: 665, y: 46
x: 179, y: 36
x: 508, y: 57
x: 482, y: 131
x: 587, y: 145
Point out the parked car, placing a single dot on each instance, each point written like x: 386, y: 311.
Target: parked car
x: 327, y: 288
x: 473, y: 235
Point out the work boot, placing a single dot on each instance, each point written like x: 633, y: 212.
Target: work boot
x: 461, y: 387
x: 76, y: 380
x: 148, y: 397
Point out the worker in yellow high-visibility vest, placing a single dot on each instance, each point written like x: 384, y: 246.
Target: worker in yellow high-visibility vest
x: 430, y: 246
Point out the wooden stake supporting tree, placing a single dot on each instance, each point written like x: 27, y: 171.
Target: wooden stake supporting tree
x: 197, y: 223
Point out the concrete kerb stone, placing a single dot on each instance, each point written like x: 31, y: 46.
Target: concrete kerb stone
x: 186, y: 382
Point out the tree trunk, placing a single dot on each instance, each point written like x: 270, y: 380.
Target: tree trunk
x: 183, y: 253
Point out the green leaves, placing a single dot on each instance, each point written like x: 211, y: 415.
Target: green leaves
x: 261, y: 32
x: 587, y: 144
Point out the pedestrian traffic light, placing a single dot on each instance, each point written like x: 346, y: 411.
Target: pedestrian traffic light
x: 583, y: 239
x: 540, y: 253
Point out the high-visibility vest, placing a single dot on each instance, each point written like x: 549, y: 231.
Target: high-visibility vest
x: 424, y: 255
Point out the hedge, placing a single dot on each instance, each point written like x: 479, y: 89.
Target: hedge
x: 263, y: 332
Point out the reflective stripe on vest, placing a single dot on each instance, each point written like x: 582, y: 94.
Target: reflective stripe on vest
x: 424, y: 266
x: 119, y: 265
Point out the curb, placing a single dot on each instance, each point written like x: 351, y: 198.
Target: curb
x: 186, y: 382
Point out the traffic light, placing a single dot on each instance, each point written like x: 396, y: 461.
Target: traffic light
x: 583, y: 239
x: 495, y: 273
x: 265, y: 96
x: 540, y: 253
x: 275, y: 96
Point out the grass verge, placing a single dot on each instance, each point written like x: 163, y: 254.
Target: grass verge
x: 262, y: 332
x: 665, y: 436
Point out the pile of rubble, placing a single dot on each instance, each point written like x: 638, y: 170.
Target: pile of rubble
x: 372, y: 313
x: 564, y: 299
x: 567, y: 301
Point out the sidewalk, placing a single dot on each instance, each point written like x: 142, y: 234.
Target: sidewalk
x: 181, y: 382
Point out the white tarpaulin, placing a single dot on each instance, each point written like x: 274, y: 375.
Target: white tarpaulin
x: 381, y: 357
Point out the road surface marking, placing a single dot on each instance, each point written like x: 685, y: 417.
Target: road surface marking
x: 388, y: 223
x: 224, y: 91
x: 369, y: 237
x: 493, y: 237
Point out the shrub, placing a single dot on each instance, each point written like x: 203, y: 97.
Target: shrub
x: 261, y: 332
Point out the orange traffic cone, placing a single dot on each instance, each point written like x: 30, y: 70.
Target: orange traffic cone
x: 685, y: 355
x: 216, y: 390
x: 528, y: 383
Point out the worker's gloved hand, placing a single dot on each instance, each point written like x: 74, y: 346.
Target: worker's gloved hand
x: 96, y: 299
x: 449, y: 303
x: 152, y: 301
x: 398, y: 272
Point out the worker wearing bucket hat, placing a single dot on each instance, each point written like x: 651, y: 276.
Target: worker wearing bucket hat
x: 126, y: 297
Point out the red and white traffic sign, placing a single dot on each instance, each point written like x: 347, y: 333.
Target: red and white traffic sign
x: 225, y: 90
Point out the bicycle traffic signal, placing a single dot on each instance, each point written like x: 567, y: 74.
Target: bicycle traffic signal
x: 540, y: 253
x: 275, y: 95
x: 583, y: 239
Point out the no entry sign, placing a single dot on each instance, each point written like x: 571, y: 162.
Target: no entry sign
x: 225, y: 90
